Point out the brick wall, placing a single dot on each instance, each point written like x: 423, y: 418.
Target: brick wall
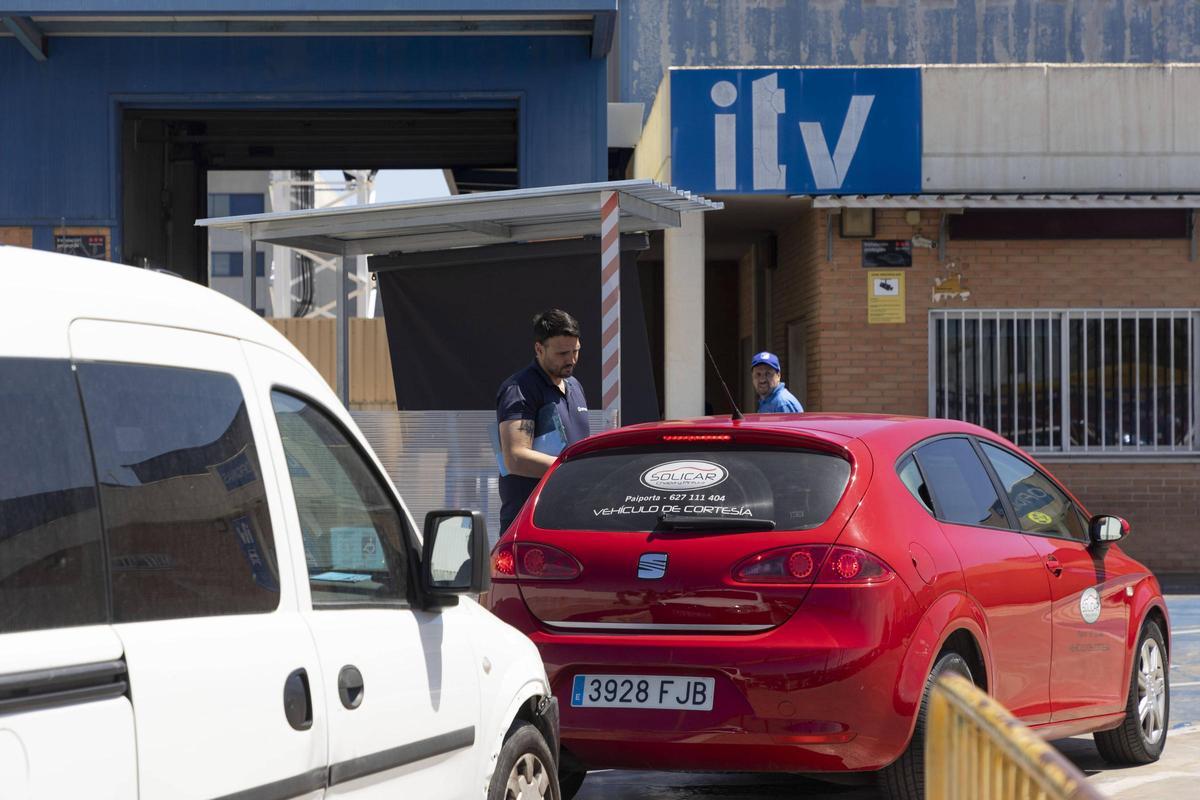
x: 1160, y: 500
x: 855, y: 366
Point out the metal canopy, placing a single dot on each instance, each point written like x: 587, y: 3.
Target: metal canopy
x: 1007, y: 201
x: 606, y: 209
x: 518, y: 215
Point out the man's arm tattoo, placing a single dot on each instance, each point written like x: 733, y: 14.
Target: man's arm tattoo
x: 526, y: 427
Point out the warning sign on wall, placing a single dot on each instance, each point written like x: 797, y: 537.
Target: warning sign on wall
x: 84, y: 242
x: 885, y: 297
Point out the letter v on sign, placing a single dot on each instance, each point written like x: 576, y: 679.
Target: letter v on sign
x: 829, y: 172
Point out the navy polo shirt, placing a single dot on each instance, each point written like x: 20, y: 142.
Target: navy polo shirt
x: 559, y: 419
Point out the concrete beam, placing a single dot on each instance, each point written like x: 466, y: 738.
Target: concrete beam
x: 603, y: 26
x: 683, y: 288
x: 29, y: 35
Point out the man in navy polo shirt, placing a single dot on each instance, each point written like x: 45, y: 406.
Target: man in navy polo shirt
x: 773, y: 396
x: 539, y: 411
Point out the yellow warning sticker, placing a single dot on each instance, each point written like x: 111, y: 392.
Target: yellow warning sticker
x: 1039, y: 518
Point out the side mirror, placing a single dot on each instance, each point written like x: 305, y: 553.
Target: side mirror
x: 454, y: 556
x: 1105, y: 530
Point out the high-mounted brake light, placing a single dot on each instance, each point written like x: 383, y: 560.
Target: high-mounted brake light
x: 697, y: 437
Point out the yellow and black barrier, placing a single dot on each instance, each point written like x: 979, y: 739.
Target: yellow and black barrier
x: 976, y: 750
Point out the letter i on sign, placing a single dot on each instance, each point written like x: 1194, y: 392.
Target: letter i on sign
x: 724, y: 94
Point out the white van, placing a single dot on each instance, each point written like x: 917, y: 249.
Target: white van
x: 208, y: 586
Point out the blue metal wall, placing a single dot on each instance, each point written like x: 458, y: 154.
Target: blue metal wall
x: 656, y: 34
x: 60, y: 126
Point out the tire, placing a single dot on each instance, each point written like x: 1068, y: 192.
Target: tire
x: 1140, y: 737
x: 904, y: 778
x: 525, y: 770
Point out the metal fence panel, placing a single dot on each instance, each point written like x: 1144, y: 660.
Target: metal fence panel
x: 1071, y: 380
x: 442, y: 459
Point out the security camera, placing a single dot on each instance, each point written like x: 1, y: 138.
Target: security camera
x: 921, y: 241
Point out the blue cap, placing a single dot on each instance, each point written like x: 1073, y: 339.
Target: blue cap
x: 770, y: 359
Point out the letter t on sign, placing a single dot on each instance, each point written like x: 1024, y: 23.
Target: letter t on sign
x: 769, y: 101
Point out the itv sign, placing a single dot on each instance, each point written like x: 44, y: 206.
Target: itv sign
x: 796, y: 131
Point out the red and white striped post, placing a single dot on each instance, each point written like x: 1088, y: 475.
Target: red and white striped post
x: 610, y: 307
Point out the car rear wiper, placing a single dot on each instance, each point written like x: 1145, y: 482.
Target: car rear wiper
x: 691, y: 522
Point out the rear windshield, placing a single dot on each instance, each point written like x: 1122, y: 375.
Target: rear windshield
x: 636, y: 490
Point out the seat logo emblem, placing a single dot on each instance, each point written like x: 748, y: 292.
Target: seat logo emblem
x: 652, y: 565
x: 1089, y: 605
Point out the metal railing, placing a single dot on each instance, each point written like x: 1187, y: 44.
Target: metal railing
x: 1078, y: 381
x: 975, y: 749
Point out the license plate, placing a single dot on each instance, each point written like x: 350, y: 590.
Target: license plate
x: 680, y: 693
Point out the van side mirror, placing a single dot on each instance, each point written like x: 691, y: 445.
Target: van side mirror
x: 1104, y: 530
x: 454, y: 556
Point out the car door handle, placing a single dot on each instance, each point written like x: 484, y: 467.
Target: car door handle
x: 350, y: 686
x: 297, y: 700
x: 1054, y: 565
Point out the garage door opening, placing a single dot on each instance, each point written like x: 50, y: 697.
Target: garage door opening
x: 167, y: 155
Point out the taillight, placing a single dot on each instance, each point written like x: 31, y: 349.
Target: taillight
x: 504, y: 562
x: 782, y: 565
x: 851, y: 565
x: 805, y: 564
x: 533, y: 561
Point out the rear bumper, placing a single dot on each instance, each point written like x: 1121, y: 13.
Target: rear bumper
x: 818, y: 693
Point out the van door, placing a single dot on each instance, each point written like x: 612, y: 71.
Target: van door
x: 223, y: 669
x: 64, y: 695
x: 400, y: 684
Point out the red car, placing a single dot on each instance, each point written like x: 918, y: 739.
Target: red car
x: 778, y: 593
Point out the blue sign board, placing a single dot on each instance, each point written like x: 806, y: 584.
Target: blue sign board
x: 796, y: 131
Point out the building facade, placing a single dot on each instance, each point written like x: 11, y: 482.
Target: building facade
x: 919, y: 223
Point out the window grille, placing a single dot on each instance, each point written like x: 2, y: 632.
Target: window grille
x: 1079, y: 381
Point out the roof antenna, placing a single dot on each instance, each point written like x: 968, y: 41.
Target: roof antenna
x: 737, y: 413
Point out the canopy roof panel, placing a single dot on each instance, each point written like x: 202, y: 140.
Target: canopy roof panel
x: 445, y: 223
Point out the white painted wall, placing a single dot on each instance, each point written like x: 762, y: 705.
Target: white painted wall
x: 1061, y: 128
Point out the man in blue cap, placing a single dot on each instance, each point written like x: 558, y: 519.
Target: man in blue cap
x: 773, y: 396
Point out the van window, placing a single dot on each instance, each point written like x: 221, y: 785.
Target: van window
x: 962, y: 487
x: 1039, y: 505
x: 181, y: 490
x: 632, y: 489
x: 353, y: 535
x: 51, y: 555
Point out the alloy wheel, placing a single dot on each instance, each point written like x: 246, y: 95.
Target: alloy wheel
x: 1152, y: 691
x: 528, y: 779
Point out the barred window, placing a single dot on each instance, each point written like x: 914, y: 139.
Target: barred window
x: 1080, y: 381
